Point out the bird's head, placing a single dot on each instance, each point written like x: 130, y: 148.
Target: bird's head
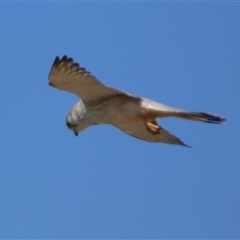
x: 76, y: 118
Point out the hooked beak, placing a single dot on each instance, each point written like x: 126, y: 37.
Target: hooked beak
x: 76, y: 134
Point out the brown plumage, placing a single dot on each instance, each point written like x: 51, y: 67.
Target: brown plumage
x: 136, y: 116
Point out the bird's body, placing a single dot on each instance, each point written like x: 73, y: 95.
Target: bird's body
x: 104, y: 112
x: 100, y: 104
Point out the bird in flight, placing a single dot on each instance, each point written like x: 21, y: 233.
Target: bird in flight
x: 100, y: 104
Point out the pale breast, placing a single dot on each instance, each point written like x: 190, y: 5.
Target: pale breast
x: 120, y: 108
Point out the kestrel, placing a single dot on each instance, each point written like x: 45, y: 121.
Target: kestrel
x: 100, y: 104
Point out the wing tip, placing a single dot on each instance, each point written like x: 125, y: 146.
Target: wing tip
x: 55, y: 63
x: 185, y: 145
x: 58, y: 60
x: 180, y: 142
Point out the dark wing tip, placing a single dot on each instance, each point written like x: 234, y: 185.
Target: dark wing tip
x: 180, y: 142
x: 59, y: 60
x: 56, y: 61
x: 185, y: 145
x: 65, y: 57
x: 65, y: 60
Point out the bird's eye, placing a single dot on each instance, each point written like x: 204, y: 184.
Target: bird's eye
x: 71, y: 125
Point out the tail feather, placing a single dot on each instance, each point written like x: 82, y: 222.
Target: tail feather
x: 156, y: 110
x: 201, y: 116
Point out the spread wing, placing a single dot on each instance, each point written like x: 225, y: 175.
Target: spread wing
x: 69, y: 76
x: 149, y: 132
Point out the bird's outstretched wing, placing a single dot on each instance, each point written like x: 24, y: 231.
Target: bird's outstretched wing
x: 149, y: 131
x: 69, y: 76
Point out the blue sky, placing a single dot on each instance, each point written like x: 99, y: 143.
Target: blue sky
x: 104, y: 183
